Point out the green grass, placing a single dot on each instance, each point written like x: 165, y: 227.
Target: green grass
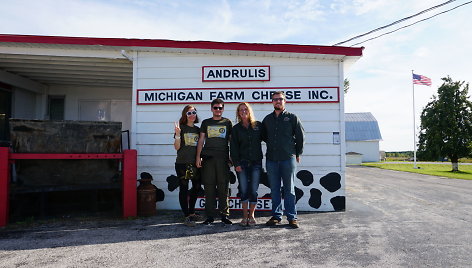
x: 441, y: 170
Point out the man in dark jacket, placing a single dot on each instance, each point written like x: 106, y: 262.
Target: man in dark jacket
x: 284, y: 136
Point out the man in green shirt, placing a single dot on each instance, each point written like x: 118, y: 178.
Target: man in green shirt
x: 284, y: 137
x: 213, y: 157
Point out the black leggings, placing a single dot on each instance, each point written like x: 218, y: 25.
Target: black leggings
x: 187, y: 198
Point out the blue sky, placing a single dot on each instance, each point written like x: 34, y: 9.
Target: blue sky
x: 380, y: 80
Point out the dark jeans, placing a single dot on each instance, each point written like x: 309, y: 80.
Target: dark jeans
x: 249, y: 179
x: 187, y: 198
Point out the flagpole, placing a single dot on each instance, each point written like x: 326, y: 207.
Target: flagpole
x: 414, y: 123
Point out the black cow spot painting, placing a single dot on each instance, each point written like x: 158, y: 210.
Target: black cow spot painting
x: 315, y: 198
x: 306, y: 177
x: 264, y: 180
x: 232, y: 178
x: 160, y: 195
x: 172, y: 183
x: 331, y: 182
x: 298, y: 193
x: 339, y: 203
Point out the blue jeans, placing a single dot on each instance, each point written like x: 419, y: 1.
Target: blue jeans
x: 249, y: 179
x: 282, y: 172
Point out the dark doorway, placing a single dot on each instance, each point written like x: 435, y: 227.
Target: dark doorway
x: 5, y: 114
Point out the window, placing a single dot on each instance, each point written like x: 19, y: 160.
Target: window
x: 56, y: 107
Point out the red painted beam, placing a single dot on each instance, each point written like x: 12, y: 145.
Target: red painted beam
x: 4, y: 185
x: 129, y: 189
x: 23, y: 156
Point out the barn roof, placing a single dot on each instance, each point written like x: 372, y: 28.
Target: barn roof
x: 362, y: 127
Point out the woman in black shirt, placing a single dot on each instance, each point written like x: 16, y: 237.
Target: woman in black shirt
x: 246, y: 154
x: 186, y: 139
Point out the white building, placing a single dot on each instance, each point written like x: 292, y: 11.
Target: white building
x: 362, y: 136
x: 146, y: 83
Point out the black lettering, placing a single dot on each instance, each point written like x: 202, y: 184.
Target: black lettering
x: 252, y: 74
x: 226, y: 73
x: 266, y: 204
x: 149, y: 96
x: 315, y: 94
x: 220, y: 95
x: 297, y: 95
x: 211, y: 74
x: 324, y: 94
x: 199, y: 96
x: 239, y: 96
x: 162, y: 96
x: 219, y: 73
x: 190, y: 96
x: 181, y: 95
x: 256, y: 95
x: 245, y: 73
x: 228, y: 95
x: 262, y: 73
x: 213, y: 95
x: 235, y: 73
x: 289, y: 95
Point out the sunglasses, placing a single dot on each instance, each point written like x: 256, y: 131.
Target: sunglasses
x: 192, y: 112
x: 217, y: 108
x: 277, y: 99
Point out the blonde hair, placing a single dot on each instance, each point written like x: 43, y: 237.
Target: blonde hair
x: 251, y: 117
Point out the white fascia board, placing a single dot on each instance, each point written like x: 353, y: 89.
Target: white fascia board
x: 65, y: 52
x: 21, y: 82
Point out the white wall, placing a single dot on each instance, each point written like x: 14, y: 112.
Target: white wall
x: 154, y: 123
x: 368, y: 149
x: 24, y: 104
x: 75, y: 94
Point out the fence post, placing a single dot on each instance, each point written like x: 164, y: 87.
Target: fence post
x: 129, y: 194
x: 4, y: 185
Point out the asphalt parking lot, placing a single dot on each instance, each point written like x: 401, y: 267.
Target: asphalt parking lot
x: 393, y: 219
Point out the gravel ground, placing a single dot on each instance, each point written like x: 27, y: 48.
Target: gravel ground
x: 392, y: 219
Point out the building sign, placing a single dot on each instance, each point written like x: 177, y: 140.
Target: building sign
x: 263, y: 204
x: 236, y: 95
x: 235, y: 73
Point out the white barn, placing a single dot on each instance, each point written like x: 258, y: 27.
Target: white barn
x: 146, y: 83
x: 363, y: 136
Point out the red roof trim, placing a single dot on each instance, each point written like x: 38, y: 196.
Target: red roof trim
x: 311, y: 49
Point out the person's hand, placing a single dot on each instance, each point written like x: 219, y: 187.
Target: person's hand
x: 198, y: 162
x: 299, y: 158
x: 238, y: 169
x: 177, y: 129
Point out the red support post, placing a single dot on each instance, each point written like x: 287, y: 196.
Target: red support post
x: 4, y: 184
x: 130, y: 171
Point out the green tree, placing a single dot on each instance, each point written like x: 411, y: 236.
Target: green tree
x: 446, y: 124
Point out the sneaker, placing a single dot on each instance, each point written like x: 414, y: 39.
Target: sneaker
x: 251, y: 222
x: 225, y: 220
x: 273, y: 221
x: 293, y: 224
x: 189, y: 221
x: 208, y: 221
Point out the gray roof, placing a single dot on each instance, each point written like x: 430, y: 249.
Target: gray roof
x: 361, y: 127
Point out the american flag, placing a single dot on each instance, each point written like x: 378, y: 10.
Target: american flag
x: 421, y: 80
